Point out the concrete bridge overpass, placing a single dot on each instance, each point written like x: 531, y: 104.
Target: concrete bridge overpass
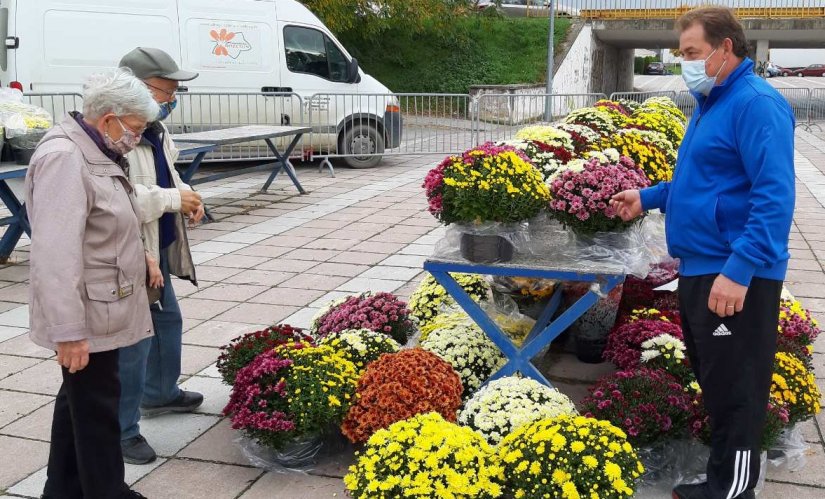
x: 613, y: 41
x: 606, y: 32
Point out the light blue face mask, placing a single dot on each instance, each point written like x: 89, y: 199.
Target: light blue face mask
x: 166, y: 109
x: 696, y: 77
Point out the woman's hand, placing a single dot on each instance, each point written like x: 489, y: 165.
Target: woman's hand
x: 154, y: 273
x: 73, y: 355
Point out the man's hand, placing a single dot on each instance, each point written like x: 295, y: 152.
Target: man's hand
x: 73, y: 355
x: 155, y: 275
x: 726, y: 297
x: 628, y: 204
x: 190, y: 201
x: 196, y: 216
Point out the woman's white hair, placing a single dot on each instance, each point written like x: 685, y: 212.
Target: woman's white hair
x: 118, y: 92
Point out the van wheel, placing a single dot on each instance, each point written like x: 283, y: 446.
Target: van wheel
x: 362, y: 139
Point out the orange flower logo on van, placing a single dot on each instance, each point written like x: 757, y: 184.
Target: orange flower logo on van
x: 228, y: 43
x: 220, y: 39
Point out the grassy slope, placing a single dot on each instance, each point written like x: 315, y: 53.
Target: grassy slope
x: 478, y: 50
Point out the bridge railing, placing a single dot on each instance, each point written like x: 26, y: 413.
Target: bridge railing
x: 672, y: 9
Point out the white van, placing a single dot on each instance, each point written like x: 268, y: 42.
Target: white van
x: 246, y: 51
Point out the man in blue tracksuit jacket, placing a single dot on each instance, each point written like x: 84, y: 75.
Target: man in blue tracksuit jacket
x: 728, y: 213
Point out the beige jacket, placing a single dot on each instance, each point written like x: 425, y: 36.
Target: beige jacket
x: 88, y: 268
x: 154, y: 201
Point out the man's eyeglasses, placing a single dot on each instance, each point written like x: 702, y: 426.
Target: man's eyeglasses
x: 163, y: 91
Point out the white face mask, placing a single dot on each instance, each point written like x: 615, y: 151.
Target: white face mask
x: 696, y: 76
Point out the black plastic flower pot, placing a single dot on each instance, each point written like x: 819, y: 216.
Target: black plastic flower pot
x: 486, y: 248
x: 23, y: 156
x: 590, y: 351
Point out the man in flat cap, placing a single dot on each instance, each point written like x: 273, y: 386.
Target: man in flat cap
x: 149, y: 370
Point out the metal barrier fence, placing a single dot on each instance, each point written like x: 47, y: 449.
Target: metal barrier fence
x: 499, y: 116
x: 56, y: 103
x: 642, y: 96
x: 198, y: 112
x: 800, y: 101
x: 816, y: 110
x: 361, y: 128
x: 686, y: 102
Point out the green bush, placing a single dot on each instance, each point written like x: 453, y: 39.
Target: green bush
x: 478, y: 49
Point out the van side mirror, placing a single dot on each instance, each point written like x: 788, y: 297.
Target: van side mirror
x: 353, y: 75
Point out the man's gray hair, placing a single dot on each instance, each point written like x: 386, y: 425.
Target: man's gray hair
x: 120, y: 93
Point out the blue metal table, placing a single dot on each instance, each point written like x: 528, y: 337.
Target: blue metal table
x: 17, y: 223
x: 189, y: 149
x: 241, y: 134
x: 546, y: 329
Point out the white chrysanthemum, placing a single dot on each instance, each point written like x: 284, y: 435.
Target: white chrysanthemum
x: 649, y: 355
x: 587, y: 133
x: 505, y: 404
x: 605, y: 156
x: 360, y: 346
x: 666, y: 341
x: 548, y: 134
x: 468, y: 349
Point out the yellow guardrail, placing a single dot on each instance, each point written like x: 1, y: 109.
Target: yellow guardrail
x: 742, y: 13
x: 803, y: 12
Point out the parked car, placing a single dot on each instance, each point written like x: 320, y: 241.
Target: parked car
x: 787, y: 71
x: 259, y: 48
x: 812, y: 70
x: 480, y: 5
x: 772, y: 70
x: 655, y: 68
x: 519, y: 8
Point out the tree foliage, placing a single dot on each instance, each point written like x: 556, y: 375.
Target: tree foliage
x: 372, y: 17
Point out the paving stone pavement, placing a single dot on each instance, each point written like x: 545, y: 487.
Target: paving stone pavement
x: 277, y: 257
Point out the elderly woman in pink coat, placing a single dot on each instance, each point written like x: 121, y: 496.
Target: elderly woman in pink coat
x: 88, y: 278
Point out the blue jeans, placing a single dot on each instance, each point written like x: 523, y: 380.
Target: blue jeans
x: 149, y: 370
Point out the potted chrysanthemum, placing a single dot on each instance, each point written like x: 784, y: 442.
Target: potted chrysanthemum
x: 486, y: 192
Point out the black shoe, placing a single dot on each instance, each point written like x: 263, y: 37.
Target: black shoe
x: 133, y: 494
x: 137, y: 451
x: 691, y: 491
x: 186, y: 402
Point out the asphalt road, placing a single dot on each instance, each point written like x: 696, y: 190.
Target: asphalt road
x: 794, y: 90
x: 675, y: 82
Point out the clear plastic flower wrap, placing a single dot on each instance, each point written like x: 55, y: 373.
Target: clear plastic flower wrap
x: 545, y: 243
x: 299, y: 455
x: 629, y: 252
x: 25, y: 124
x: 488, y: 242
x: 501, y: 309
x: 684, y: 462
x: 789, y: 451
x: 302, y: 456
x: 505, y: 313
x: 660, y: 462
